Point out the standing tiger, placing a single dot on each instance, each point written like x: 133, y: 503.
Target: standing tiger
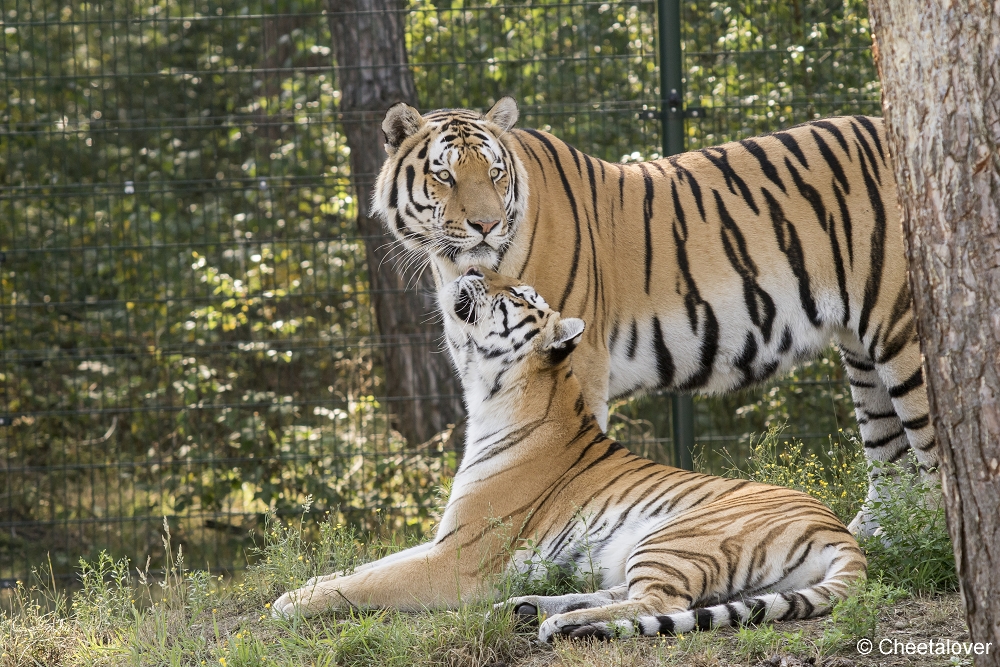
x: 674, y: 550
x: 709, y: 271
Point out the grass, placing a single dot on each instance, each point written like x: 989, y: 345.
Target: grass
x: 913, y: 550
x: 123, y: 615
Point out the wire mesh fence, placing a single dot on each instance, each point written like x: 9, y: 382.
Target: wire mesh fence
x: 186, y: 324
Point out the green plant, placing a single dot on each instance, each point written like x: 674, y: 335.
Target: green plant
x: 856, y: 616
x: 912, y: 549
x: 538, y: 575
x: 106, y: 600
x: 837, y: 477
x: 753, y: 643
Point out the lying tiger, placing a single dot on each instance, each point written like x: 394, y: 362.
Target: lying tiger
x: 675, y: 550
x: 705, y: 272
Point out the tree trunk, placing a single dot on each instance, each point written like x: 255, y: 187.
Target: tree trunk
x: 940, y: 69
x: 369, y: 45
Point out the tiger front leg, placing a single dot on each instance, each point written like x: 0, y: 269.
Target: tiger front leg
x: 424, y: 577
x: 613, y: 620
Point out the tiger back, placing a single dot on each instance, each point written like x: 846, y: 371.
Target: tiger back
x: 708, y: 272
x: 675, y: 550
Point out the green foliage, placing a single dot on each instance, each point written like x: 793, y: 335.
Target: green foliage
x: 912, y: 549
x: 813, y: 401
x: 754, y: 643
x: 857, y: 615
x: 537, y: 575
x: 107, y: 598
x: 837, y: 477
x: 185, y: 305
x: 192, y: 618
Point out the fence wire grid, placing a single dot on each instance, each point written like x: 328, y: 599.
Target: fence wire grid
x: 186, y: 325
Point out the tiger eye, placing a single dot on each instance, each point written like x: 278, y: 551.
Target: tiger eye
x: 444, y: 176
x: 495, y: 173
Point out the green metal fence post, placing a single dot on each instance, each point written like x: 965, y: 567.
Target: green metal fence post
x: 672, y: 119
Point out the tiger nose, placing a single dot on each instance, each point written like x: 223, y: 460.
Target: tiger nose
x: 484, y: 226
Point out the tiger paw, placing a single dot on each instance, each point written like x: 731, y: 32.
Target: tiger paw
x: 525, y: 610
x: 573, y: 629
x: 284, y: 607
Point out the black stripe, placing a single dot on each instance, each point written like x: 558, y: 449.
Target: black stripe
x: 593, y: 189
x: 838, y: 263
x: 614, y: 336
x: 734, y: 614
x: 394, y: 190
x: 706, y: 354
x: 786, y: 340
x: 868, y: 151
x: 666, y: 625
x: 744, y: 361
x: 832, y: 161
x: 757, y: 612
x: 647, y: 218
x: 633, y: 336
x: 809, y: 193
x: 835, y: 131
x: 882, y: 442
x: 868, y: 125
x: 703, y: 618
x: 877, y: 246
x: 860, y: 383
x: 859, y: 364
x: 788, y: 242
x: 790, y: 612
x: 908, y: 385
x: 575, y: 265
x: 760, y: 305
x: 692, y: 300
x: 664, y: 362
x: 769, y: 170
x: 721, y: 163
x: 845, y: 217
x: 686, y: 175
x: 621, y: 187
x: 791, y: 144
x: 918, y: 423
x: 892, y: 346
x: 532, y: 153
x: 880, y: 415
x: 575, y: 155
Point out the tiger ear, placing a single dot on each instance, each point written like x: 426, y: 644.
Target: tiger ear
x: 566, y: 335
x: 400, y: 122
x: 504, y: 113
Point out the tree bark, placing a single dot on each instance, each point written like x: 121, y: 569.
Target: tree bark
x: 369, y: 46
x: 940, y: 68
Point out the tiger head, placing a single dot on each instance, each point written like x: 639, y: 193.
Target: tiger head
x: 502, y: 334
x: 452, y: 188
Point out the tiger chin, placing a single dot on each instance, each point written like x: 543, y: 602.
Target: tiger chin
x: 675, y: 550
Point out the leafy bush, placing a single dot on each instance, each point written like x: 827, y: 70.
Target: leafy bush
x: 837, y: 477
x: 857, y: 615
x: 912, y: 548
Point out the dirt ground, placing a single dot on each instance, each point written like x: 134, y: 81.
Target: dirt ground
x: 914, y: 620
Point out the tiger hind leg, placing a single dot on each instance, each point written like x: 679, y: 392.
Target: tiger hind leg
x: 890, y: 403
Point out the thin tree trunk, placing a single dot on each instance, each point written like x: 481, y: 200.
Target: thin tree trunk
x: 940, y: 69
x: 369, y: 45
